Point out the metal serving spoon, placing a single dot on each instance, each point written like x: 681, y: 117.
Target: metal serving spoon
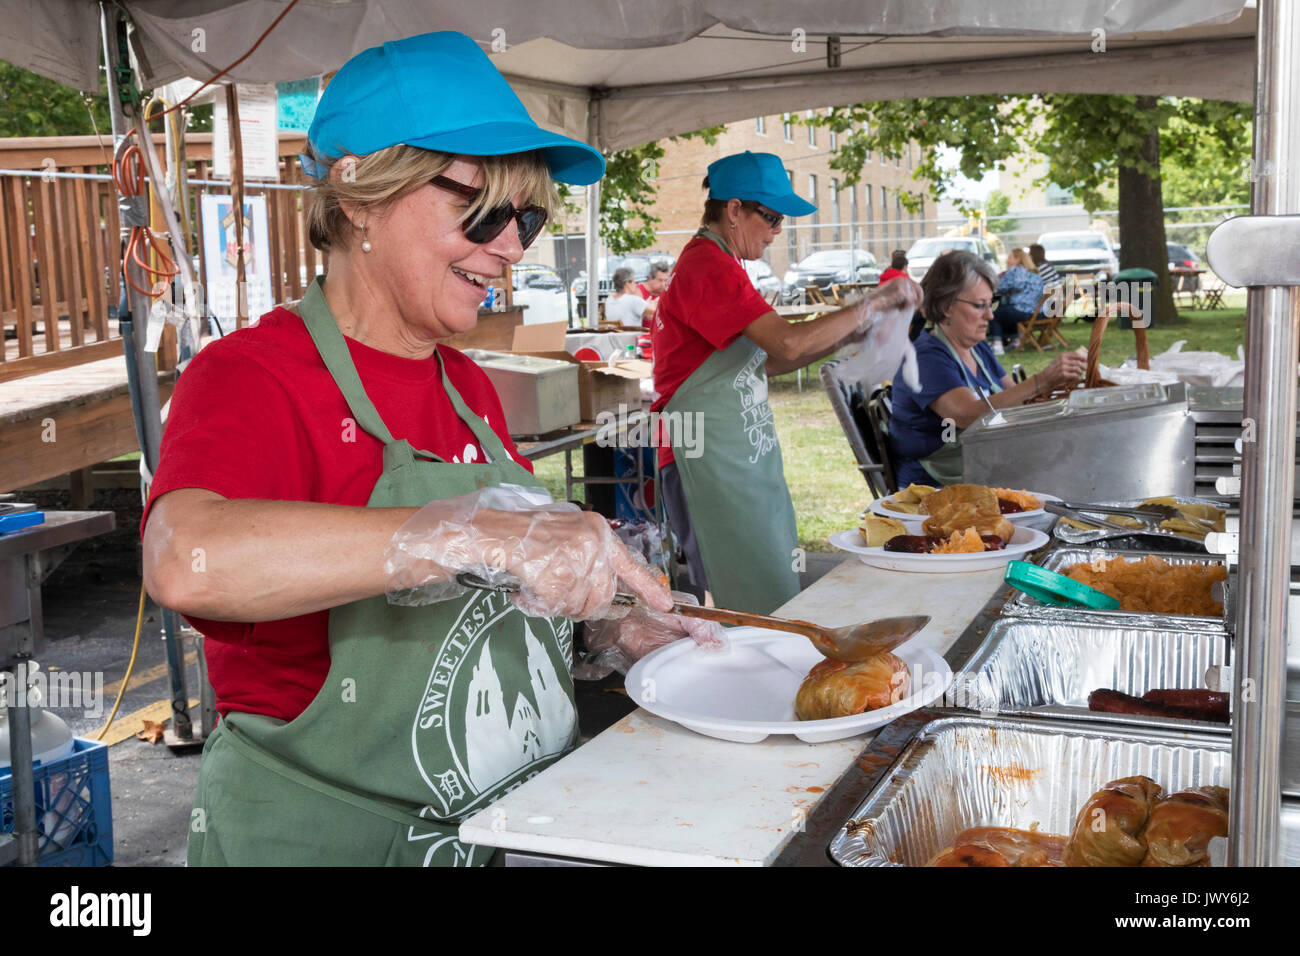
x: 854, y: 642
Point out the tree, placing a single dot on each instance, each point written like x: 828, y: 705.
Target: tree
x: 1089, y: 141
x: 996, y: 207
x: 627, y: 193
x: 31, y: 105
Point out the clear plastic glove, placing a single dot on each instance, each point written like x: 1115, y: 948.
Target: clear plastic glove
x: 568, y: 562
x: 617, y: 645
x: 876, y: 351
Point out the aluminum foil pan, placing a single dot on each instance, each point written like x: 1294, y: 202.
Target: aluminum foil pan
x: 961, y: 772
x: 1032, y: 667
x: 1155, y: 538
x: 1021, y: 604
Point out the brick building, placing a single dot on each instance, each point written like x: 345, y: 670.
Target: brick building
x: 869, y: 212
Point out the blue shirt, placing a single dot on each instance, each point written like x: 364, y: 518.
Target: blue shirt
x: 1020, y: 289
x: 916, y: 431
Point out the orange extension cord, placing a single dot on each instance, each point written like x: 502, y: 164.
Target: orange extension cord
x: 129, y: 178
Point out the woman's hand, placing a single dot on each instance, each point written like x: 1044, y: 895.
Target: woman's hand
x: 568, y: 562
x: 1066, y: 369
x: 619, y: 644
x: 901, y: 293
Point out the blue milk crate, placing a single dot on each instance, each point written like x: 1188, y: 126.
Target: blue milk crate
x: 74, y: 808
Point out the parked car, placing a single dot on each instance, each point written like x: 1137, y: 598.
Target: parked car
x: 761, y: 274
x: 925, y: 251
x: 831, y: 267
x: 1080, y: 253
x: 1181, y: 257
x: 639, y: 264
x: 540, y: 288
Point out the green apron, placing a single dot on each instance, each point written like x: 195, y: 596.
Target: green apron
x: 428, y: 714
x: 735, y: 490
x: 945, y: 465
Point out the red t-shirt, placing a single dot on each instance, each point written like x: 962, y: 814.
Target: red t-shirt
x: 257, y: 415
x: 890, y: 273
x: 709, y: 302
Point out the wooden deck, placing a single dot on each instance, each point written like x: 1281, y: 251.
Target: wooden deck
x: 65, y: 420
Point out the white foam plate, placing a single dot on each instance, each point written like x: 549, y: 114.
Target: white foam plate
x: 746, y: 692
x: 1037, y: 518
x: 1022, y: 542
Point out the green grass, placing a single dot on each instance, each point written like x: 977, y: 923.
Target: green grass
x: 828, y: 491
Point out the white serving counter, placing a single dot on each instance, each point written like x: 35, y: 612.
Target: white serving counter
x: 649, y: 792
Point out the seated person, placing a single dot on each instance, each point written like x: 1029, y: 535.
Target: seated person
x: 897, y: 266
x: 625, y: 307
x: 957, y: 367
x: 655, y: 283
x: 1046, y: 271
x: 1019, y: 289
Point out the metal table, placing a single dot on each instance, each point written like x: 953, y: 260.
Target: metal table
x: 26, y: 559
x: 584, y: 433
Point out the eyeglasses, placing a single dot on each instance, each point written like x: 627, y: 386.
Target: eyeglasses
x: 982, y: 306
x: 531, y: 219
x: 773, y: 219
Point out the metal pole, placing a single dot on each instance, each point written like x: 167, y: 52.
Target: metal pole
x: 146, y: 365
x: 567, y: 273
x: 148, y: 407
x: 593, y: 223
x: 593, y: 255
x: 20, y: 765
x: 1268, y: 463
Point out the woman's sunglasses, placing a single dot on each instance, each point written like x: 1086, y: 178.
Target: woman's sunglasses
x: 531, y: 219
x: 773, y: 219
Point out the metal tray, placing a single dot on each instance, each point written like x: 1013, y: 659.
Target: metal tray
x: 1031, y: 667
x: 960, y: 772
x: 1137, y: 539
x: 1021, y: 604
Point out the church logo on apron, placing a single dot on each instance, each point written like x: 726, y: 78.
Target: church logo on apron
x: 755, y: 412
x: 513, y: 724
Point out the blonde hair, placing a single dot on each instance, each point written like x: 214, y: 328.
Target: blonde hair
x: 1022, y: 258
x: 386, y: 175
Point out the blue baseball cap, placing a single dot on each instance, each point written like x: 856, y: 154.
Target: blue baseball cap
x: 760, y: 177
x: 438, y: 91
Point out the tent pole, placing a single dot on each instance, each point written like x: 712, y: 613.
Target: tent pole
x: 148, y: 414
x: 146, y: 402
x: 1268, y: 463
x: 593, y: 223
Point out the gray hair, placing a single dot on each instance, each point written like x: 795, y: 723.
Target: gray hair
x: 658, y: 266
x: 621, y: 278
x: 948, y: 277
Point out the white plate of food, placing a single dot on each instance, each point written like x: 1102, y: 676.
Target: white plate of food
x: 747, y: 691
x: 914, y: 495
x: 1022, y: 542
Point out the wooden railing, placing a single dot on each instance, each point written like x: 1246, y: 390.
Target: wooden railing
x: 60, y: 260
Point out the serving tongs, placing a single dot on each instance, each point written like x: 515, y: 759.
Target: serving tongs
x: 1150, y: 515
x: 854, y: 642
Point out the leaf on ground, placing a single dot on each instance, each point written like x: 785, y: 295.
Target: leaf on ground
x: 153, y: 731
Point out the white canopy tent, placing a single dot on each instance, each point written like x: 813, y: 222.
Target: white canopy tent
x: 619, y: 72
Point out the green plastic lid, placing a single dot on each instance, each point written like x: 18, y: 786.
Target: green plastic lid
x: 1056, y: 589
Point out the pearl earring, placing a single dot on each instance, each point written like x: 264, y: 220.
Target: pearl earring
x: 365, y: 240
